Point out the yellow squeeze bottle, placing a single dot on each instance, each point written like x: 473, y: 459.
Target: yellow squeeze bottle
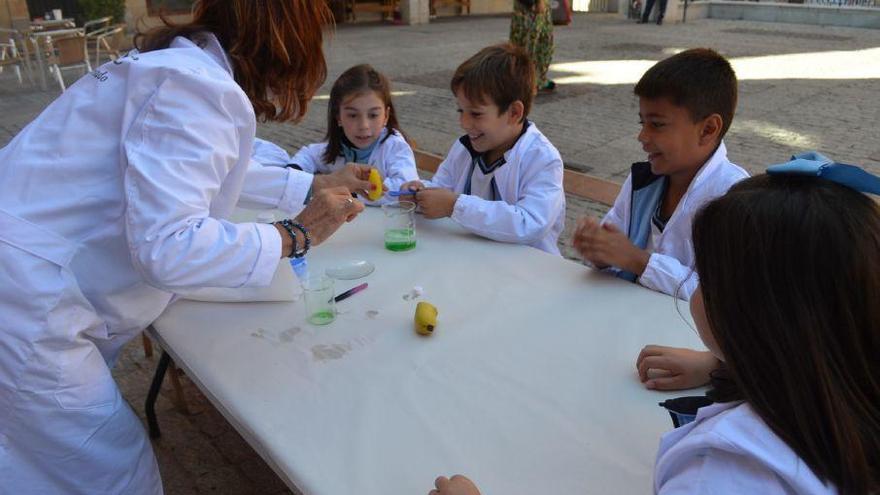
x: 376, y: 181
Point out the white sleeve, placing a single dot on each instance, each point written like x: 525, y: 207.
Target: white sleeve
x: 275, y: 187
x: 309, y: 158
x: 715, y: 471
x: 269, y: 153
x: 180, y: 149
x: 400, y: 164
x: 666, y: 274
x: 526, y: 221
x: 446, y: 176
x: 617, y: 214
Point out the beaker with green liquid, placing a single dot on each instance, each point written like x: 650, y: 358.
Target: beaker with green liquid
x: 400, y: 226
x: 319, y: 297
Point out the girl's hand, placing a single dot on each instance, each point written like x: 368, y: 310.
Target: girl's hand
x: 436, y: 203
x: 327, y: 211
x: 674, y: 368
x: 457, y: 485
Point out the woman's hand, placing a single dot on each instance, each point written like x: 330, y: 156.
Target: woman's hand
x: 675, y: 368
x: 353, y: 176
x: 327, y: 211
x: 457, y: 485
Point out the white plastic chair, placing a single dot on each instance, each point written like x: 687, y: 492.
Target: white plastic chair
x: 11, y: 53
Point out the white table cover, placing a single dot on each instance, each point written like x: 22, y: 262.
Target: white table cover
x: 528, y: 384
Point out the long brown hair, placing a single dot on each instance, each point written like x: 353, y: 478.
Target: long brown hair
x: 790, y: 276
x: 355, y: 81
x: 274, y: 46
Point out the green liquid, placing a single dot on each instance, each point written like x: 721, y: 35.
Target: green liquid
x: 322, y: 317
x: 400, y: 239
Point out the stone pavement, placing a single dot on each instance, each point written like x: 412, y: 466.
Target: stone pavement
x: 802, y: 87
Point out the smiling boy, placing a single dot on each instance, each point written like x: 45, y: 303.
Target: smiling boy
x: 503, y: 178
x: 686, y: 105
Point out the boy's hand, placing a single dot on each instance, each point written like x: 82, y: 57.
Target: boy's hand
x: 604, y: 245
x: 412, y: 186
x: 674, y: 368
x: 353, y: 176
x: 436, y: 203
x: 457, y: 485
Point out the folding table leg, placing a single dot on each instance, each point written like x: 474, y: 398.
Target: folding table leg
x: 150, y: 406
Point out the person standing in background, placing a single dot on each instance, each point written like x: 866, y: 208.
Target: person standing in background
x: 531, y: 27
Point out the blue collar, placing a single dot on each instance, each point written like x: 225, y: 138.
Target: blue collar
x: 353, y: 154
x: 479, y: 159
x: 813, y: 164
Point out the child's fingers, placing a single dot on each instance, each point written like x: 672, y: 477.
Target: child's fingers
x: 655, y: 362
x: 441, y: 482
x: 610, y: 227
x: 674, y: 382
x: 650, y: 350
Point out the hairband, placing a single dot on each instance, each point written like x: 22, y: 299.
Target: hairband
x: 813, y: 164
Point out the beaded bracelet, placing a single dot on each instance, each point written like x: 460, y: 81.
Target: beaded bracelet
x: 286, y: 225
x: 289, y: 226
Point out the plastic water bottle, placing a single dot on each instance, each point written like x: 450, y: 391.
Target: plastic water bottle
x: 300, y: 267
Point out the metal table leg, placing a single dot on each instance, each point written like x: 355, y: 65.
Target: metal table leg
x: 150, y: 405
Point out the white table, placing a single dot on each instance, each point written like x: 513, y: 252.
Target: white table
x: 528, y: 384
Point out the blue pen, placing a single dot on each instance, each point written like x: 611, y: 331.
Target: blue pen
x: 395, y: 194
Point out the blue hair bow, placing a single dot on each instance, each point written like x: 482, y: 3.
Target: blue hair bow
x: 815, y: 164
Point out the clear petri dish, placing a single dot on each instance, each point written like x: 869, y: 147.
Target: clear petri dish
x: 350, y: 270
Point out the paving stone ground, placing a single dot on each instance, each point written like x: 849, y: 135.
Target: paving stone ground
x: 801, y: 87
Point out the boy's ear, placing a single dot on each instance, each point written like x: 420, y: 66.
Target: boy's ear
x: 515, y: 112
x: 711, y: 130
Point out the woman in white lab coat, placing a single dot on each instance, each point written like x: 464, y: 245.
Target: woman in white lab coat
x: 114, y: 197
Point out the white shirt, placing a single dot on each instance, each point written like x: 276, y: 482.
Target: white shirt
x: 393, y: 157
x: 672, y: 260
x: 728, y: 449
x: 531, y: 209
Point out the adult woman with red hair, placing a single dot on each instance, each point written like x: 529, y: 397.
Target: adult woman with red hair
x: 115, y: 197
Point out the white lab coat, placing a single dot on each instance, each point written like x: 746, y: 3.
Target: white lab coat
x: 112, y: 198
x: 728, y: 449
x: 672, y: 258
x: 393, y: 157
x: 532, y: 206
x: 280, y: 188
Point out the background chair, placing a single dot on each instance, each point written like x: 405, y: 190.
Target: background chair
x: 109, y: 40
x: 66, y: 52
x: 12, y: 53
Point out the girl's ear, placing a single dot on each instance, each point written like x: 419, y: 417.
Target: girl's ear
x: 387, y: 115
x: 711, y: 130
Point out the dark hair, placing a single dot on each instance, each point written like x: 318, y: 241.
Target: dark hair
x: 790, y: 275
x: 700, y: 80
x: 357, y: 80
x: 501, y: 73
x: 274, y: 47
